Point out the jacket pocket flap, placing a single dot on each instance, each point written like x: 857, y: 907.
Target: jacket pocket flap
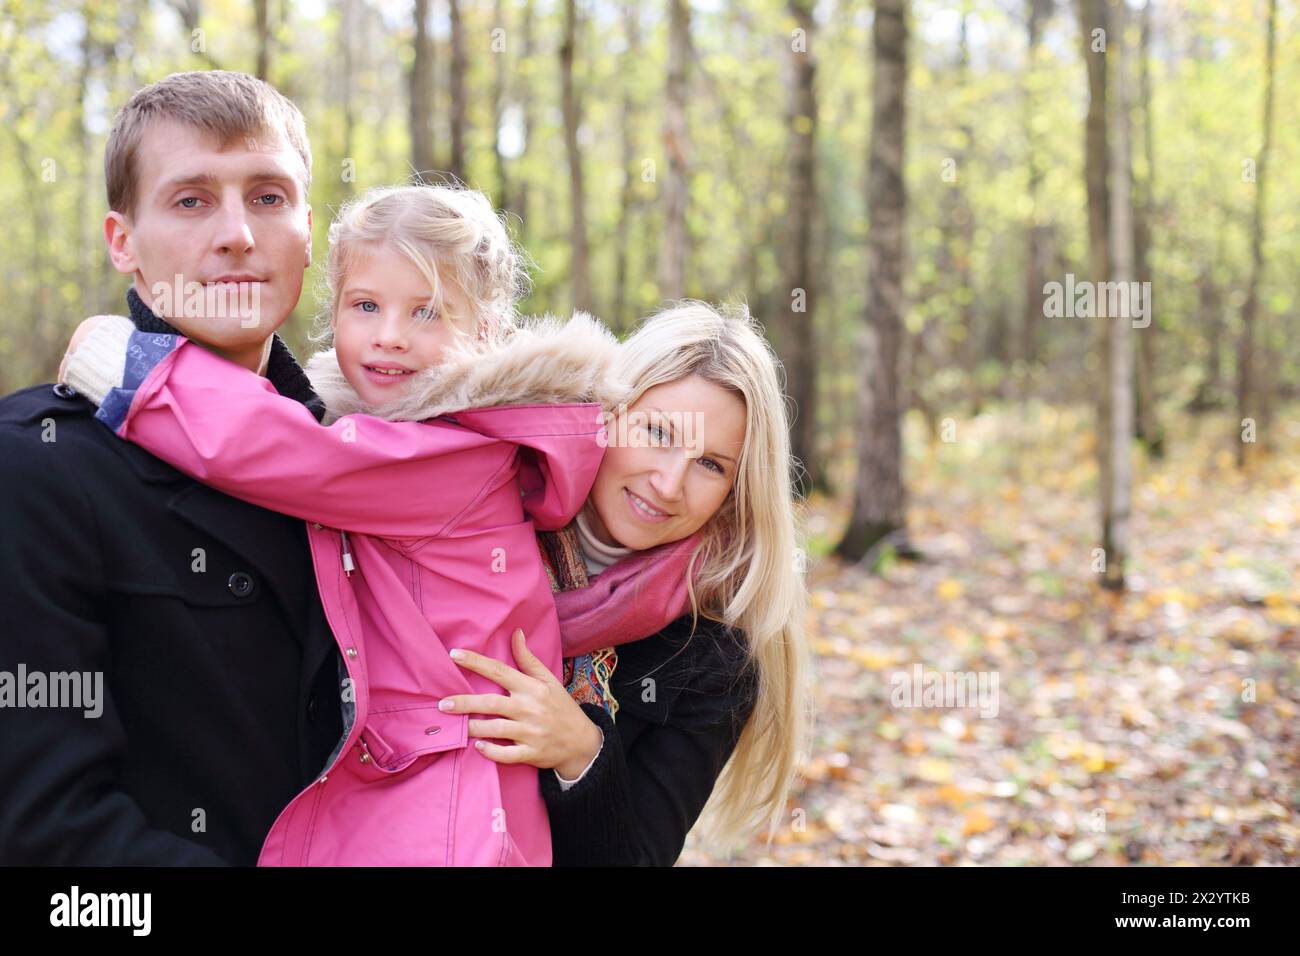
x: 396, y: 737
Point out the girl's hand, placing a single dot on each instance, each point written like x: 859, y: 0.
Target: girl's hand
x: 547, y: 726
x: 78, y: 337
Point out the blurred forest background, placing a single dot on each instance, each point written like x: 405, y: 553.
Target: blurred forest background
x: 1104, y: 511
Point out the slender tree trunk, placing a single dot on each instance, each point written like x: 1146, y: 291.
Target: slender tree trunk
x: 1248, y: 395
x: 1097, y: 38
x: 500, y: 68
x: 572, y: 119
x: 878, y: 498
x: 347, y: 17
x: 1117, y: 358
x: 672, y: 258
x: 1210, y: 315
x: 420, y: 90
x: 1148, y: 422
x: 261, y: 16
x: 1036, y: 251
x: 459, y: 98
x: 526, y: 122
x: 800, y: 292
x: 632, y: 31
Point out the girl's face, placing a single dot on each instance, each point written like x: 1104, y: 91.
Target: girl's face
x: 670, y: 464
x: 384, y: 330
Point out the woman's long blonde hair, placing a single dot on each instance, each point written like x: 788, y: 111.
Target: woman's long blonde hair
x: 748, y: 567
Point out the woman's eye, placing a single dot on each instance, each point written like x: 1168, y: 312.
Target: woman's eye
x: 713, y: 465
x: 367, y: 306
x: 657, y: 432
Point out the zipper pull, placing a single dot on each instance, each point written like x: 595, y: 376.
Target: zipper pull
x: 348, y: 566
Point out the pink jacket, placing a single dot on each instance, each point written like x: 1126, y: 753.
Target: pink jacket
x: 441, y: 516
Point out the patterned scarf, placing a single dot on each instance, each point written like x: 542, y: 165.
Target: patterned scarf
x: 586, y: 676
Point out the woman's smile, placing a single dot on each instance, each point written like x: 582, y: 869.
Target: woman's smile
x: 643, y: 509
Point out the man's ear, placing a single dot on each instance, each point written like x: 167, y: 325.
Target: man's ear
x: 117, y: 234
x: 308, y: 265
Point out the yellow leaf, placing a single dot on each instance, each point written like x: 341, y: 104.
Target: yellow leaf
x: 949, y: 589
x: 932, y: 770
x: 976, y: 821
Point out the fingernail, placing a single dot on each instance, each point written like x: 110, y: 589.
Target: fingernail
x: 478, y: 745
x: 446, y: 704
x: 458, y: 655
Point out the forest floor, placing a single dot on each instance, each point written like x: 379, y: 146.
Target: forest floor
x: 1157, y: 727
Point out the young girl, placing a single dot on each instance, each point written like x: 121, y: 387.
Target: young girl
x: 421, y: 522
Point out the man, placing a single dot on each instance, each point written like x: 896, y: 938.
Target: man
x: 196, y: 613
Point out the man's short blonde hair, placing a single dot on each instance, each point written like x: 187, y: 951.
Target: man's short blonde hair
x: 227, y: 105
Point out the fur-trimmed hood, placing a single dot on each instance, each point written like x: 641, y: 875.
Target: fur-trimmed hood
x: 537, y: 362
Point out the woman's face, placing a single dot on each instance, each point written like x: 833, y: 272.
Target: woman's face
x: 383, y: 329
x: 670, y: 464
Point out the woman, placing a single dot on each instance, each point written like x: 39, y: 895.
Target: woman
x: 714, y: 709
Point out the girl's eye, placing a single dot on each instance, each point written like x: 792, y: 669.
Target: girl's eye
x: 425, y: 314
x: 278, y: 199
x: 365, y: 306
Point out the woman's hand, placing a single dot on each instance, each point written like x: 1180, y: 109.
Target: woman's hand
x: 78, y: 337
x: 547, y: 726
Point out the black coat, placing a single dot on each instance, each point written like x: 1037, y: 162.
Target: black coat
x: 683, y: 702
x: 220, y: 675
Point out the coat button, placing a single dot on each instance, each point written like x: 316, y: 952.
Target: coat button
x: 240, y: 584
x: 352, y: 652
x: 365, y: 758
x: 64, y: 390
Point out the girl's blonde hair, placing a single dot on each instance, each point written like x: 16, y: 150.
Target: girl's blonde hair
x: 747, y: 569
x: 450, y: 233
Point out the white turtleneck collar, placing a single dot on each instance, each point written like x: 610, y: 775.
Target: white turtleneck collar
x: 595, y: 553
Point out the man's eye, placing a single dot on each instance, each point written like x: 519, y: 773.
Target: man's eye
x: 276, y: 199
x: 193, y: 199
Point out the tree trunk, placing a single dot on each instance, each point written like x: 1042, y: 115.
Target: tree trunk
x: 799, y: 307
x: 1036, y: 251
x: 347, y: 15
x: 672, y: 257
x: 459, y: 107
x: 501, y: 63
x: 878, y: 497
x: 1148, y: 423
x: 1117, y: 355
x: 572, y: 118
x: 1248, y: 396
x: 632, y: 30
x: 526, y: 121
x: 261, y: 16
x: 420, y: 86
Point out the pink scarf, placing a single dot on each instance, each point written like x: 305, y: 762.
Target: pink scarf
x: 634, y: 598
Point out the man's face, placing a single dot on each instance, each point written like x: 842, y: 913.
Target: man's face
x: 231, y: 220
